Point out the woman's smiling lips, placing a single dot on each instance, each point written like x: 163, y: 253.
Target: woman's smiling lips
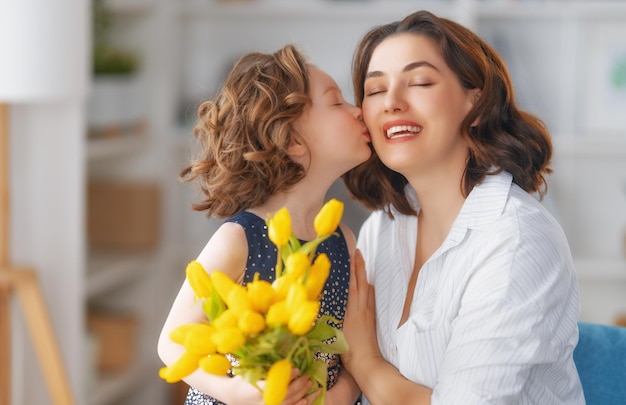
x: 401, y: 129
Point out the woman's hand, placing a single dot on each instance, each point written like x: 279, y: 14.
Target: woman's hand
x: 359, y: 324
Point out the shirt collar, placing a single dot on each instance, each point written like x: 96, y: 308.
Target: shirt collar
x: 484, y: 204
x: 486, y: 201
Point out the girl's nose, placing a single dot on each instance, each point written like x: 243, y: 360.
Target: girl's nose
x: 358, y: 113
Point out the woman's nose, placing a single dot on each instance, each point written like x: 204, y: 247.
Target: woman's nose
x: 394, y: 102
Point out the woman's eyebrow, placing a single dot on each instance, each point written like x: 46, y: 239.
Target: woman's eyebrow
x: 407, y: 68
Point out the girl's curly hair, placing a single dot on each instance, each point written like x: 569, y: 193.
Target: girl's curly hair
x: 505, y: 139
x: 245, y: 131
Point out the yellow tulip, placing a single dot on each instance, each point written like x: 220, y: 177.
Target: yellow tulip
x: 198, y: 340
x: 277, y: 314
x: 216, y: 364
x: 222, y: 283
x: 277, y: 382
x: 227, y: 319
x: 296, y: 297
x: 199, y: 279
x: 297, y: 264
x: 282, y: 284
x: 279, y: 227
x: 302, y: 319
x: 179, y: 334
x: 251, y: 322
x: 186, y: 364
x: 238, y: 300
x: 329, y: 217
x: 318, y: 274
x: 261, y: 294
x: 228, y: 340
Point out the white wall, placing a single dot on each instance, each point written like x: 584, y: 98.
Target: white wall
x: 47, y: 176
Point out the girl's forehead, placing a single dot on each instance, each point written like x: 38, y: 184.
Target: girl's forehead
x: 320, y: 80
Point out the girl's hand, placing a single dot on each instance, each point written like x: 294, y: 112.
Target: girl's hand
x: 299, y: 386
x: 247, y: 394
x: 359, y: 324
x: 297, y: 391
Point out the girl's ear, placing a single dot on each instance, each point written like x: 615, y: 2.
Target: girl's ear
x: 296, y: 149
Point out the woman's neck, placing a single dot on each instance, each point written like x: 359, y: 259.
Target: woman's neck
x: 440, y: 198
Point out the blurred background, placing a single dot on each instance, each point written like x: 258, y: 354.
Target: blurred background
x: 96, y: 205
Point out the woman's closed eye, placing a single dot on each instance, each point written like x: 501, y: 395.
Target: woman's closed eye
x: 421, y: 84
x: 374, y: 91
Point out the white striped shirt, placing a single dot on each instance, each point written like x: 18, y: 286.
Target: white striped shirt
x: 495, y: 309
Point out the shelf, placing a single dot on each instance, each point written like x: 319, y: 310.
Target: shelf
x: 549, y: 9
x: 104, y: 148
x: 496, y: 9
x: 109, y: 389
x: 605, y: 270
x: 130, y: 8
x: 310, y: 9
x: 107, y: 271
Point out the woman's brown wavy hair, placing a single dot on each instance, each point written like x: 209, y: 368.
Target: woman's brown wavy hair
x: 505, y: 138
x: 245, y: 131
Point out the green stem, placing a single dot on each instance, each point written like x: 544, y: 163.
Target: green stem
x: 279, y: 263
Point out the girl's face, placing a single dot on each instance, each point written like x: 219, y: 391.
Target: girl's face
x: 413, y: 107
x: 336, y: 137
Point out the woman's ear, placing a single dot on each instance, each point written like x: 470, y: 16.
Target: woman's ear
x: 475, y: 97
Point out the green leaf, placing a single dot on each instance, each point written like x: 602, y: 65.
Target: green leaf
x: 319, y: 373
x: 251, y: 374
x: 339, y: 346
x: 213, y: 306
x: 322, y: 330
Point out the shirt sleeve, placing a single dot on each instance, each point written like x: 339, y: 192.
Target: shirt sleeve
x: 367, y: 241
x: 518, y: 312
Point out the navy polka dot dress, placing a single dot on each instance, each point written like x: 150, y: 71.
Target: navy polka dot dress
x: 262, y: 255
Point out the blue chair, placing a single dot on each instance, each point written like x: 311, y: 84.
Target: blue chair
x: 600, y: 358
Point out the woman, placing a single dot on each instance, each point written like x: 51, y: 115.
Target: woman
x: 476, y: 299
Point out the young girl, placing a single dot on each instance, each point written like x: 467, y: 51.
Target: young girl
x: 278, y: 135
x: 476, y: 299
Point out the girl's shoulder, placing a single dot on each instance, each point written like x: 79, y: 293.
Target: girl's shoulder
x: 247, y: 220
x: 226, y: 251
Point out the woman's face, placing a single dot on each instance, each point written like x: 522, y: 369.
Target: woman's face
x: 413, y: 107
x: 336, y: 137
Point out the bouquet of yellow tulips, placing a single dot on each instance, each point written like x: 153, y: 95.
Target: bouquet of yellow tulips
x: 265, y: 328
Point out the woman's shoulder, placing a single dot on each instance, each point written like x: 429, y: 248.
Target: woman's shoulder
x: 531, y: 216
